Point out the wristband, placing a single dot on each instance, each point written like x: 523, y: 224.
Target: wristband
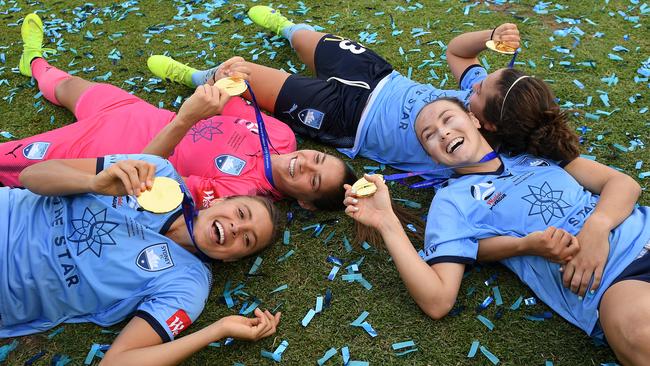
x: 492, y: 34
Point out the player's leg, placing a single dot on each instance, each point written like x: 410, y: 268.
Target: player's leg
x: 625, y: 319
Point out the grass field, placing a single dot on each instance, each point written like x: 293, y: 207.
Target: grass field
x: 110, y: 41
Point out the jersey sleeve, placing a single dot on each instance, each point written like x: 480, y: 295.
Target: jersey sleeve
x: 472, y: 75
x: 205, y: 190
x: 163, y: 166
x: 178, y: 303
x: 449, y: 236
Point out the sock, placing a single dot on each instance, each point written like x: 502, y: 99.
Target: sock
x: 201, y: 77
x: 288, y: 32
x: 48, y: 78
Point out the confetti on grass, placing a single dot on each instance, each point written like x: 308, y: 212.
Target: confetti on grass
x: 277, y: 354
x: 6, y: 349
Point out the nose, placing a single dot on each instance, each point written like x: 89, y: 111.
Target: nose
x: 234, y: 229
x: 443, y: 133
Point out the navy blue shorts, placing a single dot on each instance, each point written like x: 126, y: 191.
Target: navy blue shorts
x: 638, y: 270
x: 328, y: 108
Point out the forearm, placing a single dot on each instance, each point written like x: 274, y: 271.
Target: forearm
x: 617, y: 200
x: 469, y: 45
x: 166, y: 140
x: 171, y: 353
x: 501, y: 247
x: 422, y: 282
x: 59, y: 177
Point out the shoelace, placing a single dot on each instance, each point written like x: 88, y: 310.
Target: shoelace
x: 176, y: 72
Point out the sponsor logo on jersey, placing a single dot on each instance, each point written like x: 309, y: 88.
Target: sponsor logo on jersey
x: 251, y: 126
x: 546, y: 202
x: 155, y: 258
x: 311, y: 117
x: 486, y: 191
x: 208, y: 197
x: 36, y: 150
x: 178, y: 322
x: 92, y: 231
x: 229, y: 164
x: 205, y: 130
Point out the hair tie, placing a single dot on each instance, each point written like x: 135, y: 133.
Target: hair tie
x: 508, y: 92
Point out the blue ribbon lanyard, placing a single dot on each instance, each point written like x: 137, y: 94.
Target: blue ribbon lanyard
x: 431, y: 182
x: 512, y: 61
x: 264, y: 137
x: 189, y: 213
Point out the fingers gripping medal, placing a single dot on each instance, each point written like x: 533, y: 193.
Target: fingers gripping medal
x: 363, y: 188
x: 164, y: 196
x: 500, y: 47
x: 232, y: 86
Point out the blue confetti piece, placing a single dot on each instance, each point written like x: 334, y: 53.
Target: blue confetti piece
x: 365, y: 245
x: 286, y: 256
x: 517, y: 303
x: 488, y: 300
x: 578, y: 84
x: 497, y: 296
x: 55, y: 333
x: 644, y: 175
x: 277, y: 354
x: 329, y: 237
x: 605, y: 99
x: 255, y: 266
x: 60, y: 360
x: 530, y: 301
x: 6, y: 349
x: 638, y: 165
x: 91, y: 354
x: 485, y: 322
x: 333, y: 273
x: 319, y: 304
x: 358, y: 363
x: 346, y: 244
x: 308, y: 317
x: 357, y: 322
x: 369, y: 329
x: 7, y: 135
x: 328, y: 354
x: 280, y: 288
x: 473, y: 349
x: 534, y: 318
x: 548, y: 363
x: 334, y: 260
x: 345, y: 354
x: 620, y: 147
x: 643, y: 110
x: 614, y: 57
x: 494, y: 359
x: 405, y: 344
x: 286, y: 237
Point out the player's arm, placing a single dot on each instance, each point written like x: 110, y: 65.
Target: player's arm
x: 139, y: 344
x: 618, y: 195
x: 554, y: 244
x: 207, y: 101
x: 74, y: 176
x: 463, y: 50
x: 434, y: 288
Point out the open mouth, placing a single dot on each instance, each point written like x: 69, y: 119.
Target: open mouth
x: 292, y: 167
x: 219, y: 232
x: 455, y: 144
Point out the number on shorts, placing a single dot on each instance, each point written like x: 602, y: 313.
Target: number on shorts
x: 348, y: 45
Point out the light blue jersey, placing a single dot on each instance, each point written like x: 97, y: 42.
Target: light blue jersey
x: 93, y: 258
x: 386, y: 131
x: 528, y: 194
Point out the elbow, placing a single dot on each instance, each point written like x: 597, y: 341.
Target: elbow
x: 437, y: 310
x: 635, y: 187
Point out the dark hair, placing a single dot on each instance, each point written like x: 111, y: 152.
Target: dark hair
x: 404, y: 215
x: 333, y: 200
x: 531, y: 120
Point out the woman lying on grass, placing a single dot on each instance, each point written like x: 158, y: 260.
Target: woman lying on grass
x: 359, y: 104
x: 605, y: 287
x: 212, y: 141
x: 77, y: 247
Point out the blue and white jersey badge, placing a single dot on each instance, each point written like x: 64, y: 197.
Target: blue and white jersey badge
x: 36, y: 150
x: 155, y: 258
x: 229, y: 164
x: 311, y: 117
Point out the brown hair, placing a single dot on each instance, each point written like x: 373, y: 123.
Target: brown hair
x: 404, y: 215
x: 531, y: 120
x: 333, y: 200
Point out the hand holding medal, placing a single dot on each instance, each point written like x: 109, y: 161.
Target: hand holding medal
x: 368, y: 201
x: 505, y: 40
x: 164, y: 196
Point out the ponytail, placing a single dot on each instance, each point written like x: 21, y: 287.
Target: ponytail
x: 404, y: 215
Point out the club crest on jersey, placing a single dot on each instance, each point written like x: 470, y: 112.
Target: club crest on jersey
x: 482, y: 191
x: 311, y: 117
x: 155, y: 258
x: 530, y: 161
x: 36, y: 150
x: 229, y: 164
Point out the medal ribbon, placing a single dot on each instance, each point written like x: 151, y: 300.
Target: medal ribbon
x: 264, y: 137
x: 189, y: 213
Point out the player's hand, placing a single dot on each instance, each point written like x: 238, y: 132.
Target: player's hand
x: 507, y: 33
x: 554, y: 244
x: 590, y: 262
x: 249, y: 329
x: 233, y: 67
x: 207, y: 101
x: 370, y: 211
x: 126, y: 177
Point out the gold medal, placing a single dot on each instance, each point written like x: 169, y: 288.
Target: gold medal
x: 164, y: 196
x: 232, y: 86
x: 500, y: 47
x: 363, y: 188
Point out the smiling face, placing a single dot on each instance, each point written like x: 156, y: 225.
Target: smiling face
x: 233, y: 228
x: 450, y: 135
x: 306, y: 174
x: 484, y: 91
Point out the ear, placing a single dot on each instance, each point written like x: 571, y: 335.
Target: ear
x: 307, y: 205
x: 488, y: 126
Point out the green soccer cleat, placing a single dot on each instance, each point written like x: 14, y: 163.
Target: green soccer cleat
x: 269, y: 18
x: 171, y: 70
x: 32, y: 34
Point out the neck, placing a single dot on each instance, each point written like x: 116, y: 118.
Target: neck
x: 178, y: 233
x: 485, y: 167
x: 275, y: 171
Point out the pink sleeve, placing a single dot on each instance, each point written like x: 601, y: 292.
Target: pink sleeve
x: 205, y: 190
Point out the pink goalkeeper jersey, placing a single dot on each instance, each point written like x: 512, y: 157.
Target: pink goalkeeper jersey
x: 220, y: 156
